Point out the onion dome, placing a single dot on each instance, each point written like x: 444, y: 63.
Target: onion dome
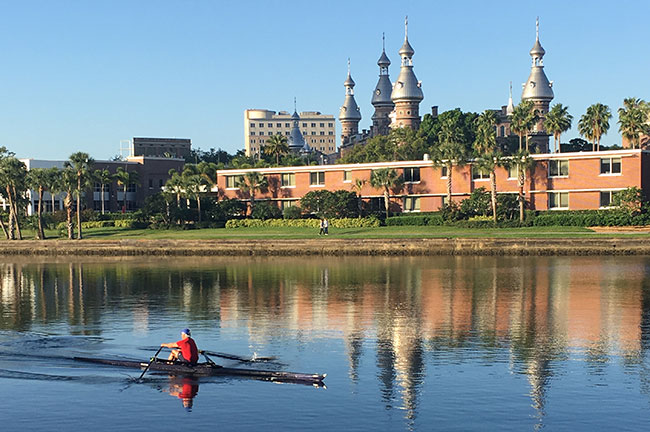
x: 538, y: 87
x: 383, y: 60
x: 383, y: 89
x: 296, y: 141
x: 350, y: 110
x: 407, y: 86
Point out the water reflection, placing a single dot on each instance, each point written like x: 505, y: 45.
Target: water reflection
x: 185, y: 388
x: 410, y: 314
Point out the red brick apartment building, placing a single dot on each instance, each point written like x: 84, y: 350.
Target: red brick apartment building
x: 558, y: 181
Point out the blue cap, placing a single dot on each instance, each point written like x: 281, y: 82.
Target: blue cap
x: 186, y: 331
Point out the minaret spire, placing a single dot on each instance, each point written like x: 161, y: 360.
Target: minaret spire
x: 537, y: 29
x: 295, y: 105
x: 383, y: 42
x: 511, y: 106
x: 406, y: 27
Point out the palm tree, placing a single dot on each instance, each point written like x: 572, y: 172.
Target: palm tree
x: 386, y: 179
x: 276, y: 145
x: 198, y: 180
x: 251, y: 183
x: 68, y: 182
x: 53, y: 184
x: 558, y: 120
x: 633, y: 120
x: 595, y: 123
x: 103, y: 177
x: 523, y: 162
x: 125, y: 179
x: 451, y: 150
x: 523, y: 120
x: 485, y: 145
x: 37, y: 179
x: 13, y: 174
x: 81, y: 163
x: 358, y: 185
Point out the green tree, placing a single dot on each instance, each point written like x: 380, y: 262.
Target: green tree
x: 451, y: 150
x: 251, y: 183
x: 276, y: 146
x: 13, y: 174
x: 633, y: 120
x: 104, y: 178
x: 522, y: 162
x: 126, y: 178
x: 53, y: 184
x: 595, y: 123
x: 37, y: 179
x: 485, y: 146
x: 386, y: 179
x: 523, y: 120
x: 558, y: 120
x: 80, y: 162
x: 357, y: 186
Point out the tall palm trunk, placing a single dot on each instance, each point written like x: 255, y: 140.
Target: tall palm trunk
x: 493, y: 193
x: 124, y: 200
x: 449, y: 168
x: 15, y: 208
x: 387, y: 201
x: 79, y: 235
x: 520, y: 198
x: 41, y: 232
x: 198, y: 205
x: 11, y: 213
x: 68, y: 210
x: 52, y: 197
x: 4, y: 228
x: 102, y: 198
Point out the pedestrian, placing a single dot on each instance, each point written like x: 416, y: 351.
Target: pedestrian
x: 325, y: 226
x: 321, y: 226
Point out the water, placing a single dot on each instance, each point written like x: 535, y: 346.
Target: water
x: 445, y: 343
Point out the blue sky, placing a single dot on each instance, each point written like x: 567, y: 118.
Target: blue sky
x: 83, y: 75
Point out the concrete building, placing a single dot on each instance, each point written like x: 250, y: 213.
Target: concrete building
x: 560, y: 181
x: 318, y: 130
x: 161, y: 147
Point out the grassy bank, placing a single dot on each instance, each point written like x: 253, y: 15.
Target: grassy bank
x: 390, y: 232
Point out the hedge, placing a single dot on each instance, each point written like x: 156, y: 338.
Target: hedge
x: 303, y: 223
x: 586, y: 218
x: 415, y: 220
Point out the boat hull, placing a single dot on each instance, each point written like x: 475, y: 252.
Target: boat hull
x: 208, y: 369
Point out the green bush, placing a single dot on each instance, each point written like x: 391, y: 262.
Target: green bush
x: 130, y: 223
x: 585, y: 218
x: 266, y: 210
x: 96, y: 224
x: 293, y: 212
x: 432, y: 219
x: 303, y: 223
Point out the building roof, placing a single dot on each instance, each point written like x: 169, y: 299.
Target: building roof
x: 537, y: 87
x: 296, y: 141
x: 350, y: 110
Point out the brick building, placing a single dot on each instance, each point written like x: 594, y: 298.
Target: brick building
x: 559, y: 181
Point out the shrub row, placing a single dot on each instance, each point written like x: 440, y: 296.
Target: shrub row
x: 415, y: 220
x: 585, y: 218
x: 119, y: 223
x: 303, y: 223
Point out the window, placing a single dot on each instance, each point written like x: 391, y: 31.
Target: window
x: 479, y: 173
x: 287, y: 125
x: 287, y: 203
x: 261, y: 132
x: 231, y: 181
x: 278, y: 124
x: 513, y: 172
x: 131, y: 187
x: 347, y: 175
x: 322, y: 125
x: 160, y: 183
x: 304, y: 125
x: 558, y: 200
x: 558, y: 168
x: 331, y: 133
x: 98, y: 187
x: 313, y: 132
x: 610, y: 166
x: 443, y: 171
x: 411, y: 204
x: 270, y: 125
x: 287, y: 133
x: 317, y: 178
x: 261, y: 124
x: 330, y: 124
x: 322, y: 132
x: 411, y: 175
x: 503, y: 131
x: 288, y: 179
x: 253, y: 133
x: 252, y: 125
x: 150, y: 183
x: 313, y: 125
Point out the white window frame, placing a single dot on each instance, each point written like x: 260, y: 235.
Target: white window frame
x: 611, y: 166
x: 412, y: 208
x: 559, y: 195
x: 318, y: 179
x: 291, y: 182
x: 559, y: 168
x: 483, y: 175
x: 232, y: 179
x: 412, y: 170
x: 347, y: 176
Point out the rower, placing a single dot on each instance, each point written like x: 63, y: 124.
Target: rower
x: 186, y: 352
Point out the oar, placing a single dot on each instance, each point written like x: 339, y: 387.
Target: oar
x: 238, y: 358
x: 151, y: 361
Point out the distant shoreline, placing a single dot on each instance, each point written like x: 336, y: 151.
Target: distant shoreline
x: 329, y: 247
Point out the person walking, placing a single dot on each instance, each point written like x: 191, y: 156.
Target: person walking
x: 325, y: 226
x: 321, y: 225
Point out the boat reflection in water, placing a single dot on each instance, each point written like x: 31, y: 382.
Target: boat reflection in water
x: 185, y: 388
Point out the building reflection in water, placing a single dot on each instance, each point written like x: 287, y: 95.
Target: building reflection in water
x: 403, y: 312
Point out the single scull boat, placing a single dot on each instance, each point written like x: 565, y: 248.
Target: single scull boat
x: 211, y: 369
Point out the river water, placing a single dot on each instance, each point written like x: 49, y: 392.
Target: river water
x: 439, y: 343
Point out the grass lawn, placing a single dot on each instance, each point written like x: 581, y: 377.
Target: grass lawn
x: 344, y: 233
